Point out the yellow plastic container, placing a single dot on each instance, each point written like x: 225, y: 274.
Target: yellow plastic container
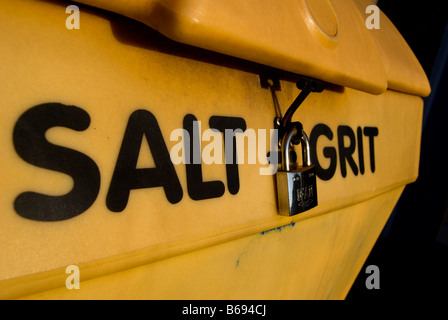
x: 90, y: 117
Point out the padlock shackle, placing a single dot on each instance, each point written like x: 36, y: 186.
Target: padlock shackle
x: 306, y: 155
x: 286, y: 140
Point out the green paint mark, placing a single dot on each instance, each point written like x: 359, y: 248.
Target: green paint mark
x: 279, y: 229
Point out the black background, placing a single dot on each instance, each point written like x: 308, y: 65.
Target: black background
x: 412, y: 251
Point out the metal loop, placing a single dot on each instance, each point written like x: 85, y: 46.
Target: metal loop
x: 306, y: 155
x: 307, y: 85
x: 285, y: 148
x: 287, y: 140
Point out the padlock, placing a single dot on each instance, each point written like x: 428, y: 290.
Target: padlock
x: 296, y: 187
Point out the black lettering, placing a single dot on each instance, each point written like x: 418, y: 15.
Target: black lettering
x: 230, y: 123
x: 127, y: 177
x: 345, y: 153
x: 360, y: 150
x: 371, y: 132
x: 329, y: 152
x: 31, y: 145
x: 197, y: 188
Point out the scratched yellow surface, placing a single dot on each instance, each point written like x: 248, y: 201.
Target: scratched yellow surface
x: 230, y: 247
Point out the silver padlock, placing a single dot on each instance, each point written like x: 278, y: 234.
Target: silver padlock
x: 297, y: 188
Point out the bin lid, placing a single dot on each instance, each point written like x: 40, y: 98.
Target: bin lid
x: 323, y: 39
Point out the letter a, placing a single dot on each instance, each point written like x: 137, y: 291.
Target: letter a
x: 373, y: 281
x: 373, y: 21
x: 72, y: 281
x: 72, y: 21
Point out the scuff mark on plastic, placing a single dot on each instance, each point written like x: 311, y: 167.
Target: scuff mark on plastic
x: 278, y: 228
x: 254, y: 241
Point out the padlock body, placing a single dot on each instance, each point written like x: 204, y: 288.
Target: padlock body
x: 296, y: 190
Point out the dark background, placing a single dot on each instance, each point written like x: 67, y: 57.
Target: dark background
x: 412, y: 251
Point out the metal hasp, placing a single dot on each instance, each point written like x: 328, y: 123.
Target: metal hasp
x: 307, y: 85
x: 296, y: 187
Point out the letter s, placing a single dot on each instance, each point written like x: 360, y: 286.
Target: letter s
x: 31, y: 145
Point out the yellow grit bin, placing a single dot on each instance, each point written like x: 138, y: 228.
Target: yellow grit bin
x: 139, y: 150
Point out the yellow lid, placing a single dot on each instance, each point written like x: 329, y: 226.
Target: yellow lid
x: 323, y: 39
